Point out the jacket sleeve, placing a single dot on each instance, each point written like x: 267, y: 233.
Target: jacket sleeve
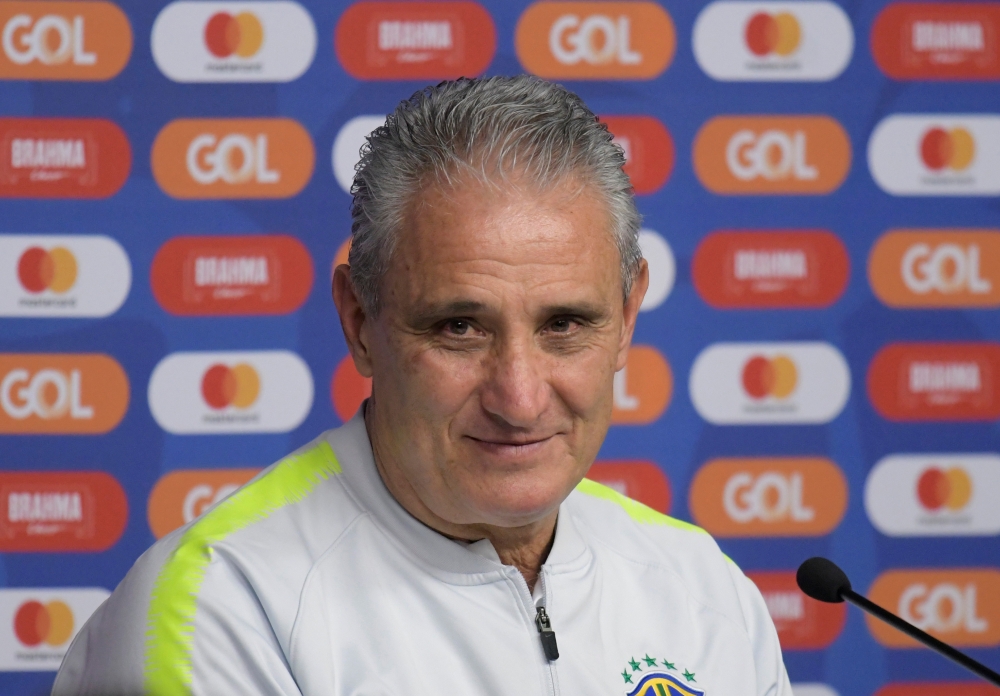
x: 772, y: 678
x: 228, y: 647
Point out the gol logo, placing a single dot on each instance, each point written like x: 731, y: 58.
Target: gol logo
x: 233, y: 158
x: 949, y: 488
x: 256, y: 274
x: 953, y: 149
x: 61, y: 394
x: 642, y: 389
x: 649, y: 150
x: 937, y: 688
x: 937, y: 41
x: 60, y: 511
x: 51, y: 623
x: 742, y: 270
x: 595, y: 40
x: 936, y: 268
x: 226, y: 34
x: 40, y: 270
x: 768, y: 497
x: 771, y: 154
x: 237, y: 386
x: 415, y: 40
x: 774, y: 377
x: 63, y: 40
x: 62, y: 158
x: 348, y: 389
x: 641, y: 481
x: 766, y: 34
x: 936, y: 381
x: 961, y: 607
x: 802, y: 623
x: 181, y: 496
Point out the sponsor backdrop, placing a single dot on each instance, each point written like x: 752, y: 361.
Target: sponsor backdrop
x: 817, y: 363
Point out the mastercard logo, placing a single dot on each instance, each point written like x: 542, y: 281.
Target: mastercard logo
x: 776, y: 377
x: 944, y: 488
x: 767, y: 34
x: 40, y: 270
x: 947, y: 149
x: 226, y: 34
x: 50, y: 623
x: 237, y: 386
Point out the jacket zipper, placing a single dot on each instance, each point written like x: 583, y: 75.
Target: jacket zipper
x: 543, y: 624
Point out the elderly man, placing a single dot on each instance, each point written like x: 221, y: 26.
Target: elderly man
x: 445, y: 541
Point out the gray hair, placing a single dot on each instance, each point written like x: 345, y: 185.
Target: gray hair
x: 516, y: 127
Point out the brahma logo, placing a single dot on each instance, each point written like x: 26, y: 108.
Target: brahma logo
x: 773, y: 41
x: 936, y: 268
x: 938, y: 41
x: 62, y: 276
x: 936, y: 155
x: 61, y: 394
x: 649, y: 150
x: 181, y: 496
x: 768, y: 497
x: 802, y: 623
x: 415, y: 40
x: 935, y: 495
x: 348, y: 389
x: 960, y: 607
x: 638, y: 480
x: 595, y: 40
x: 233, y: 41
x: 765, y: 269
x: 769, y: 383
x: 233, y: 158
x: 60, y: 511
x: 642, y: 389
x: 936, y: 689
x: 62, y: 158
x: 936, y: 381
x: 238, y: 392
x: 347, y: 147
x: 772, y: 154
x: 254, y: 274
x: 63, y: 40
x: 40, y: 623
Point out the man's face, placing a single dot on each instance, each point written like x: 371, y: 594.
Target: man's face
x: 502, y: 325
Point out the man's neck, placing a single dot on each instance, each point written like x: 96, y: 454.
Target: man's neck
x: 525, y: 548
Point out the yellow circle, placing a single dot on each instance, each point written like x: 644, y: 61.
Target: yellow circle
x: 60, y: 622
x: 959, y: 489
x: 251, y: 34
x: 786, y: 377
x: 247, y: 385
x: 64, y: 269
x: 963, y: 148
x: 789, y: 33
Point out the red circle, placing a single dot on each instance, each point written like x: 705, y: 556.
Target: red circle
x: 218, y: 386
x: 31, y: 623
x: 933, y: 488
x: 758, y: 377
x: 348, y: 389
x: 217, y: 35
x: 761, y: 34
x: 935, y: 148
x: 31, y: 269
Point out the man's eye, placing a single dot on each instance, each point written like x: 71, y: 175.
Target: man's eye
x: 561, y: 325
x: 459, y: 327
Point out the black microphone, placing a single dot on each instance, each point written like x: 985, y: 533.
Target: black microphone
x: 822, y: 579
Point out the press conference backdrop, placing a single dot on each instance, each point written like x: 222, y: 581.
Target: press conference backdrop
x: 816, y: 368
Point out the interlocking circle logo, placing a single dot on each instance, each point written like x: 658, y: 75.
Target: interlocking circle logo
x: 763, y: 377
x: 947, y: 149
x: 40, y: 270
x: 51, y: 623
x: 226, y: 34
x: 237, y: 386
x: 949, y: 488
x: 767, y: 34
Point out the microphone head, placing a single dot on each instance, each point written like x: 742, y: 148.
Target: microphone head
x: 822, y: 579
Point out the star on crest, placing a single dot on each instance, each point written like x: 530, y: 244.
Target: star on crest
x: 668, y: 665
x: 650, y: 661
x: 627, y: 677
x: 634, y: 665
x: 689, y: 676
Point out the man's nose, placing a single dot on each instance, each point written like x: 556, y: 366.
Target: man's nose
x: 516, y: 389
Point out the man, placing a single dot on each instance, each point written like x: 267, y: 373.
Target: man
x: 444, y: 541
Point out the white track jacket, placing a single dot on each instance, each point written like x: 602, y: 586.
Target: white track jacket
x: 313, y: 580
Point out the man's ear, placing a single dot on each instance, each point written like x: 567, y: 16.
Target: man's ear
x: 631, y: 311
x: 353, y: 320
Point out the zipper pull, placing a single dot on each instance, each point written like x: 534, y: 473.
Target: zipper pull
x: 547, y: 634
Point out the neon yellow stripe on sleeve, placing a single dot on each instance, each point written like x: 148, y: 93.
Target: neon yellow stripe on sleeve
x: 637, y: 511
x: 170, y: 621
